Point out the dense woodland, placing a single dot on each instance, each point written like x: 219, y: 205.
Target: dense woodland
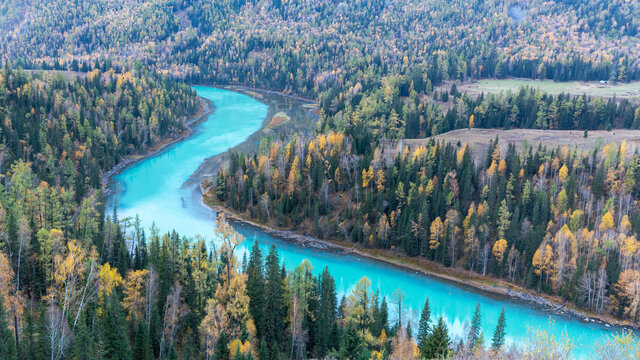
x: 370, y: 63
x: 180, y: 298
x: 70, y: 128
x: 340, y: 51
x: 76, y: 284
x: 396, y: 110
x: 553, y: 220
x: 305, y: 46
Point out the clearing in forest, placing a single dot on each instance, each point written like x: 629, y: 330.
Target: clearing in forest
x: 478, y: 139
x: 629, y: 90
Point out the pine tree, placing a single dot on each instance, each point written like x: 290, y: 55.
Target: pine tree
x: 437, y: 344
x: 274, y: 311
x: 7, y: 341
x: 222, y: 348
x: 263, y: 352
x: 326, y: 314
x: 351, y: 344
x: 424, y: 326
x: 474, y: 331
x: 114, y: 341
x: 498, y: 334
x: 255, y: 288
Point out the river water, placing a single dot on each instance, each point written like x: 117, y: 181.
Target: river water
x: 154, y: 189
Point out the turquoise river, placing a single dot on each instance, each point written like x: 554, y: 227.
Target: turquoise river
x: 154, y: 189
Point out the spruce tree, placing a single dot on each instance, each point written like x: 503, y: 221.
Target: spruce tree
x: 424, y: 326
x: 375, y: 315
x: 326, y: 314
x: 7, y: 341
x: 222, y: 347
x: 255, y: 288
x: 142, y: 348
x: 83, y: 342
x: 238, y: 355
x: 31, y: 349
x: 114, y: 341
x: 474, y: 331
x: 274, y: 311
x: 351, y: 344
x: 498, y: 334
x: 437, y: 344
x: 263, y: 352
x: 384, y: 316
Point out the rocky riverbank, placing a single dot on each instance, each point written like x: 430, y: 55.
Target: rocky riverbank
x: 465, y: 278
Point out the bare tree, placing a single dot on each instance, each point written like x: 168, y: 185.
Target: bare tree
x: 151, y: 295
x: 58, y: 332
x: 397, y: 298
x: 174, y: 311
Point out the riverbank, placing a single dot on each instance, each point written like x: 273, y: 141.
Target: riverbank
x: 300, y: 120
x: 206, y: 107
x: 489, y: 285
x: 243, y: 88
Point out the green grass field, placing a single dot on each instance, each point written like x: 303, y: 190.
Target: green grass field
x: 594, y: 89
x: 479, y: 139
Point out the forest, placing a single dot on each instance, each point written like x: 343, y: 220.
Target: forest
x: 311, y: 47
x: 86, y: 85
x: 178, y: 298
x: 554, y: 220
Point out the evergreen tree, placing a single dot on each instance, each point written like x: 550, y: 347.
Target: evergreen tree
x: 351, y: 344
x: 275, y: 310
x: 31, y: 349
x: 437, y: 344
x: 222, y: 347
x: 255, y: 288
x: 424, y: 326
x: 474, y: 331
x: 83, y: 342
x: 498, y: 334
x: 383, y: 320
x: 238, y: 355
x: 114, y: 343
x: 375, y: 314
x: 326, y: 314
x: 263, y: 352
x: 7, y: 341
x: 142, y: 348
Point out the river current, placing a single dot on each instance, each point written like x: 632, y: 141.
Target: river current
x: 155, y: 189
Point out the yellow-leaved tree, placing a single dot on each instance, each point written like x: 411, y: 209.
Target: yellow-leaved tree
x: 437, y: 231
x: 499, y: 249
x: 134, y: 296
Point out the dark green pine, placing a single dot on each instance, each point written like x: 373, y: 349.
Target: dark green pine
x: 498, y: 334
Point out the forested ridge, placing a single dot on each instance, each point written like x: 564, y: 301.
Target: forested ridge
x: 377, y: 63
x: 300, y: 43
